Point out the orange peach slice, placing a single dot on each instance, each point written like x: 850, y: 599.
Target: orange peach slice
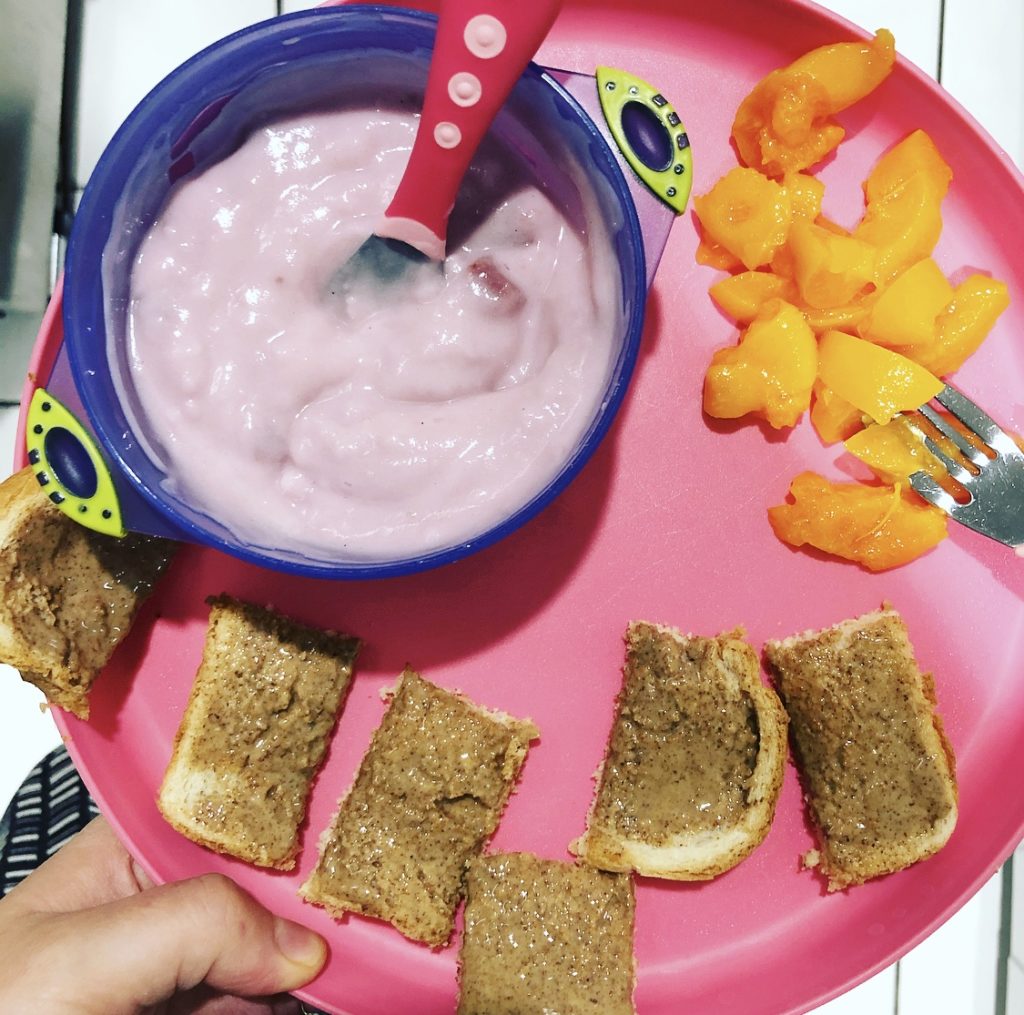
x: 742, y: 296
x: 785, y: 124
x: 830, y: 269
x: 962, y: 326
x: 833, y: 417
x: 893, y: 452
x: 876, y: 527
x: 904, y: 312
x: 770, y: 372
x: 746, y: 214
x: 879, y: 382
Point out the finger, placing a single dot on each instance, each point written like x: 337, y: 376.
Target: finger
x: 91, y: 869
x: 206, y: 930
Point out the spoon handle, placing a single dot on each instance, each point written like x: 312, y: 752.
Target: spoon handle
x: 481, y: 49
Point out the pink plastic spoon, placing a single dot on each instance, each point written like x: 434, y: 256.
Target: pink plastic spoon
x: 481, y: 49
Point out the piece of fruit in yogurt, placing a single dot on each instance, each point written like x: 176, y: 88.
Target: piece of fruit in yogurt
x: 487, y: 281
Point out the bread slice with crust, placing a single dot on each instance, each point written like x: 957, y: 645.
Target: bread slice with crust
x: 695, y: 760
x: 68, y: 595
x: 255, y: 732
x: 878, y: 770
x: 429, y: 793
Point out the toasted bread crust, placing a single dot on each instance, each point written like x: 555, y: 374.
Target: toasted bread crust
x: 688, y: 854
x: 878, y: 770
x: 254, y: 732
x: 20, y: 497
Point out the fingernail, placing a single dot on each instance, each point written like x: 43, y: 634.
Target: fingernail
x: 299, y: 945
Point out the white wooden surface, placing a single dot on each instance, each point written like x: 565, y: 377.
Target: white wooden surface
x: 978, y: 45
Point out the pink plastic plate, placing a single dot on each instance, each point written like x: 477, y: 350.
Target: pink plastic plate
x: 667, y: 523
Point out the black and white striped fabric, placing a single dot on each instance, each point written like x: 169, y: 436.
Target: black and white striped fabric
x: 49, y: 808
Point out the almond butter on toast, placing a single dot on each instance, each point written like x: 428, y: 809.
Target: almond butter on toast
x: 878, y: 771
x: 255, y: 731
x: 68, y: 595
x: 694, y: 764
x: 430, y: 791
x: 546, y: 936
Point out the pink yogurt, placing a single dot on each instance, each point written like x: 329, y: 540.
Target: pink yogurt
x: 400, y: 419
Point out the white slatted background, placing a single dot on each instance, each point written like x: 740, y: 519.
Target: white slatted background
x: 976, y: 49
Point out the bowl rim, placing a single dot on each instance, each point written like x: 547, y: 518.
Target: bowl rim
x: 89, y: 219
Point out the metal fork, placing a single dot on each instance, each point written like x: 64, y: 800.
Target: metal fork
x: 994, y: 483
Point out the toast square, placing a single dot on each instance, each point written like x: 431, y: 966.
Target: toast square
x: 255, y: 732
x: 68, y: 595
x: 545, y: 936
x: 878, y: 772
x: 429, y: 793
x: 695, y: 760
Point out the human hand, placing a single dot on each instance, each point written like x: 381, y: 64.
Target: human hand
x: 88, y: 934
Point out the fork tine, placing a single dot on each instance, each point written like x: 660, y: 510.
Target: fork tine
x: 973, y: 454
x: 951, y: 465
x: 995, y: 492
x: 933, y: 493
x: 976, y: 420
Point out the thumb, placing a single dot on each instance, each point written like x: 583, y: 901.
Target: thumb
x: 145, y: 948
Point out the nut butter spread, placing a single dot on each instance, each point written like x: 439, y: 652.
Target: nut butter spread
x: 545, y: 936
x: 72, y: 594
x: 874, y: 764
x: 429, y: 792
x: 255, y: 731
x: 684, y: 744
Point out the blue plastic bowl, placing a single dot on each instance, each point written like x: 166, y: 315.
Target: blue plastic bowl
x: 200, y: 113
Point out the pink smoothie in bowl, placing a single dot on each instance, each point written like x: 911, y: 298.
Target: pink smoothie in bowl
x: 413, y: 414
x: 236, y: 402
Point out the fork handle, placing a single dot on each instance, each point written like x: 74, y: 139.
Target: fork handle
x: 481, y: 49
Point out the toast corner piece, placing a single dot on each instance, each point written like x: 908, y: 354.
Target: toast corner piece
x: 68, y: 596
x: 174, y: 807
x: 254, y: 732
x: 888, y: 734
x: 676, y: 689
x: 890, y: 859
x: 64, y: 691
x: 546, y: 935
